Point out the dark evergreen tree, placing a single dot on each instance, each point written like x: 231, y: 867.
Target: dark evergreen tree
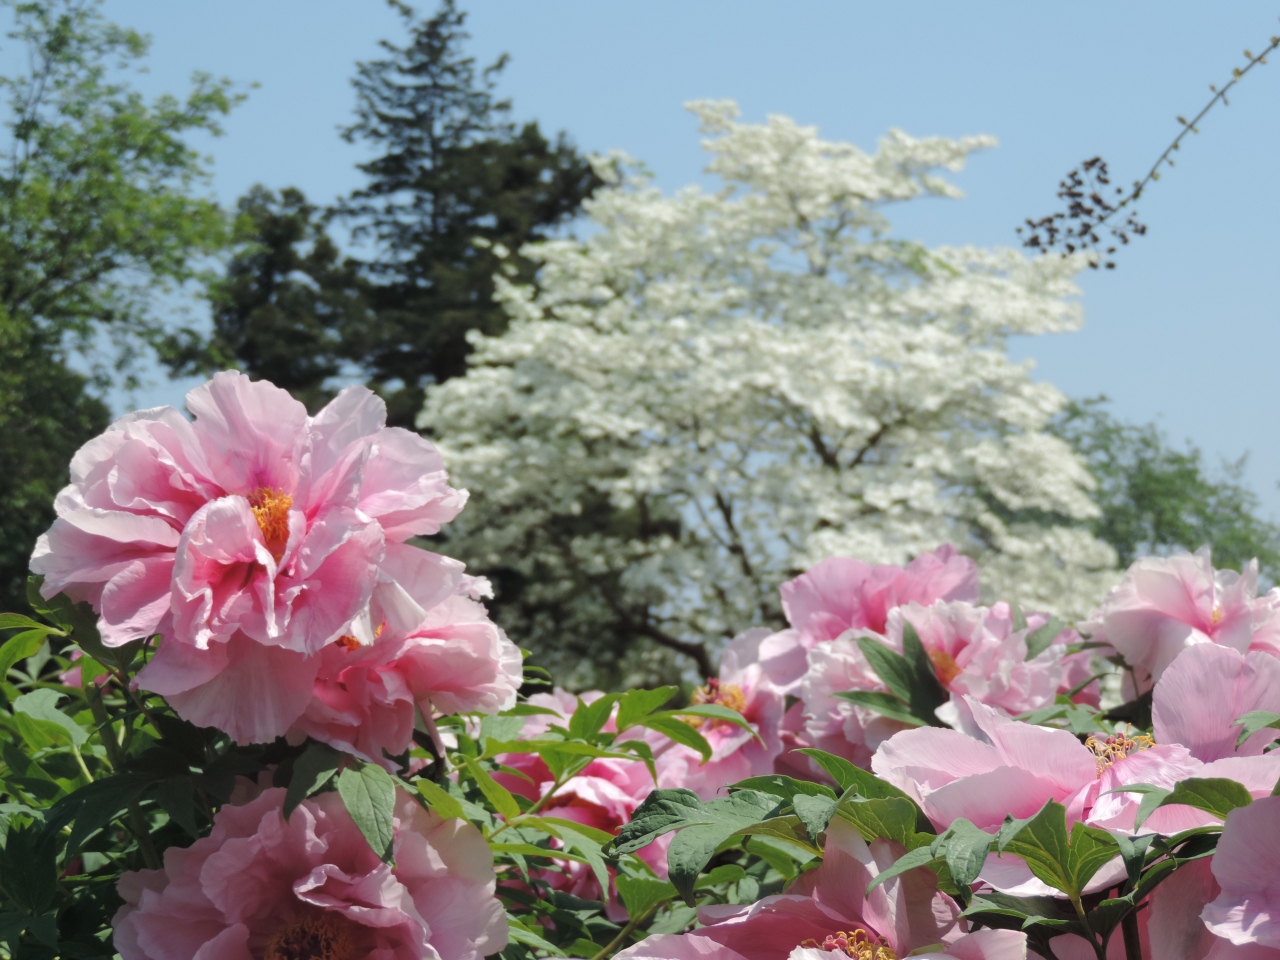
x: 287, y: 302
x: 454, y: 182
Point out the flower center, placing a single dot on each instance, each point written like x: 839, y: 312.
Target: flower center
x: 1115, y: 748
x: 271, y: 509
x: 348, y: 642
x: 1215, y: 616
x: 726, y: 695
x: 323, y: 937
x: 944, y: 665
x: 860, y: 945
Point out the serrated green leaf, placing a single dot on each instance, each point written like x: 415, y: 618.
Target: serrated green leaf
x: 966, y: 848
x: 316, y: 766
x: 589, y: 718
x: 369, y: 794
x: 1214, y: 795
x: 1065, y: 861
x: 892, y: 818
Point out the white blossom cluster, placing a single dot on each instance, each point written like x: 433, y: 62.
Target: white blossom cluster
x: 714, y: 390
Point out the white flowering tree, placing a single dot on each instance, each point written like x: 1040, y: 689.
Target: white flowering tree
x: 714, y: 390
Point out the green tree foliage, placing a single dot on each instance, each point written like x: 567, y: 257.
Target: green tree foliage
x: 287, y: 302
x: 45, y: 415
x: 1158, y: 499
x: 98, y: 198
x: 454, y: 183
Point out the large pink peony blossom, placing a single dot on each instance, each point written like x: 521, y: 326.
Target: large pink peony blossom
x: 827, y: 911
x: 841, y: 593
x: 422, y: 644
x: 997, y: 766
x: 263, y: 888
x: 1166, y: 604
x: 248, y: 539
x: 748, y: 683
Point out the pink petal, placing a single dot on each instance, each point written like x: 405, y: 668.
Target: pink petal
x: 252, y: 432
x: 1205, y: 690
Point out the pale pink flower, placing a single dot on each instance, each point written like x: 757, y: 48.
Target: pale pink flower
x: 841, y: 593
x: 248, y: 539
x: 746, y: 684
x: 827, y: 911
x: 261, y: 886
x: 1166, y: 604
x: 1246, y: 866
x: 421, y: 645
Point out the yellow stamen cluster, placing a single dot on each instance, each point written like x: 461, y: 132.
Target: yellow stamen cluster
x: 944, y: 665
x: 271, y: 509
x: 324, y: 937
x: 348, y: 642
x: 1215, y: 616
x: 727, y: 695
x: 860, y: 945
x: 1115, y: 748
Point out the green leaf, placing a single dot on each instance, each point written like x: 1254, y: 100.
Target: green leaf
x: 703, y: 827
x: 589, y: 718
x: 1051, y: 912
x: 778, y: 785
x: 41, y: 705
x: 518, y: 932
x: 885, y: 704
x: 16, y: 621
x: 369, y: 794
x: 680, y: 732
x: 494, y: 792
x: 440, y: 800
x: 1019, y: 619
x: 1039, y: 640
x: 725, y: 873
x: 311, y: 771
x: 97, y: 804
x: 1214, y: 795
x: 1066, y: 862
x: 815, y: 813
x: 636, y: 704
x: 19, y: 647
x: 966, y: 848
x: 590, y: 848
x: 642, y: 894
x: 788, y: 830
x: 710, y: 711
x: 1253, y: 721
x: 847, y: 776
x: 909, y: 675
x: 887, y: 818
x: 177, y: 798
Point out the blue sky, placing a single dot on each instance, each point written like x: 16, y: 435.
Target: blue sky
x: 1185, y: 332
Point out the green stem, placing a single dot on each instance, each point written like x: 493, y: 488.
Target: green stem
x: 1132, y: 943
x: 624, y: 932
x: 80, y: 763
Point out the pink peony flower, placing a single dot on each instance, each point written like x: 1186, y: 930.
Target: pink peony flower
x: 746, y: 684
x: 262, y: 887
x: 1165, y: 605
x: 975, y: 652
x: 248, y: 539
x: 841, y: 593
x: 827, y: 911
x: 1246, y: 867
x: 998, y: 766
x: 421, y: 645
